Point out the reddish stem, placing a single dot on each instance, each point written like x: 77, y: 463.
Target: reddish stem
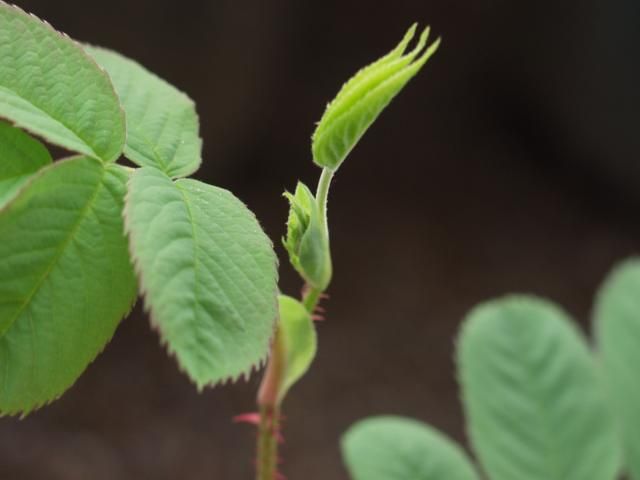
x: 269, y: 404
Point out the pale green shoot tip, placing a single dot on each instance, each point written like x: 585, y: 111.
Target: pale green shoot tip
x: 365, y: 96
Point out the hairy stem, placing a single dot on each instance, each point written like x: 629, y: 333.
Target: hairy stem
x: 268, y: 438
x: 322, y: 194
x: 310, y: 298
x: 269, y: 404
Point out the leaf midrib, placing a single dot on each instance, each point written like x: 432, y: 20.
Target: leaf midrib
x: 533, y: 393
x: 153, y: 145
x: 196, y: 266
x: 57, y: 256
x: 196, y: 263
x: 49, y: 115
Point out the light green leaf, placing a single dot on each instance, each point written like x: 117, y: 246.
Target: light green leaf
x: 396, y: 448
x: 299, y: 341
x: 364, y: 97
x: 534, y: 402
x: 51, y: 87
x: 162, y: 124
x: 306, y: 242
x: 208, y: 273
x: 617, y: 316
x: 65, y: 279
x: 20, y: 157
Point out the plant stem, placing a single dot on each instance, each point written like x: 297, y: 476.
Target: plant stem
x: 310, y: 298
x: 268, y: 438
x: 269, y: 395
x: 322, y: 194
x: 269, y: 404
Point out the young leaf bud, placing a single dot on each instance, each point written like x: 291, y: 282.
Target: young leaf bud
x: 364, y: 97
x: 307, y: 242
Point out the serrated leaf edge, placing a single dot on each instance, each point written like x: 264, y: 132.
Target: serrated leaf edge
x: 148, y: 308
x: 24, y: 412
x: 165, y: 167
x: 88, y: 57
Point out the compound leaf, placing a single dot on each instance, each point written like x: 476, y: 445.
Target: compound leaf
x: 299, y: 340
x: 51, y: 87
x: 208, y: 273
x: 364, y: 97
x: 20, y: 157
x: 533, y: 399
x: 162, y: 123
x: 617, y: 316
x: 65, y: 278
x: 396, y: 448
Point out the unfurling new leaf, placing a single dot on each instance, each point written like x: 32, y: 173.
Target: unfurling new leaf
x: 307, y: 242
x: 364, y: 97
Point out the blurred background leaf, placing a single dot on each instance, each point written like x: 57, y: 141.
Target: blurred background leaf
x: 617, y: 323
x: 397, y: 448
x: 533, y: 399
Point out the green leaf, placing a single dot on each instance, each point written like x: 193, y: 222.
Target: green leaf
x: 299, y: 341
x: 617, y: 316
x: 20, y: 157
x: 364, y: 97
x: 396, y: 448
x: 306, y: 242
x: 208, y: 273
x: 533, y: 399
x: 51, y: 87
x: 162, y: 124
x: 65, y: 279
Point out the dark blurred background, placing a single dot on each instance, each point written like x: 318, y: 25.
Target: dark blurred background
x: 509, y: 164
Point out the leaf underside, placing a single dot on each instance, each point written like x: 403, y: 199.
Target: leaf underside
x: 51, y: 87
x: 162, y: 124
x: 65, y: 279
x: 534, y: 403
x: 396, y: 448
x: 20, y: 157
x: 208, y: 273
x: 617, y: 316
